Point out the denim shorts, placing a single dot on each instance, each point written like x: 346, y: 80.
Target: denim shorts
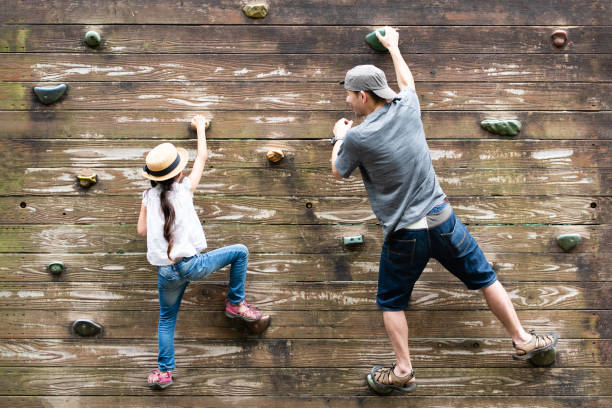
x: 406, y: 252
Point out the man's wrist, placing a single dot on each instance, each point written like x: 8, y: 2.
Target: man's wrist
x: 334, y: 139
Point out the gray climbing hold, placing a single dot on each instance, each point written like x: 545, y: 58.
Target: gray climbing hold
x: 48, y: 95
x: 568, y: 241
x: 373, y: 41
x: 510, y: 127
x: 93, y: 39
x: 56, y: 268
x: 256, y: 10
x: 86, y: 328
x: 353, y: 240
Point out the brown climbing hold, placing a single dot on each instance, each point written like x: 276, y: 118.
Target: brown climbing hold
x: 256, y: 10
x: 275, y: 155
x: 559, y: 38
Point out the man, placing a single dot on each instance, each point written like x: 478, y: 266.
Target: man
x: 390, y: 149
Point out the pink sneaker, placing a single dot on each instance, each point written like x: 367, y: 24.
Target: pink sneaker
x: 159, y: 379
x: 249, y: 314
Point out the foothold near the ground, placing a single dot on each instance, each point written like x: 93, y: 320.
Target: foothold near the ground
x: 87, y: 180
x: 353, y: 240
x: 49, y: 94
x: 568, y: 241
x: 544, y: 359
x: 373, y: 41
x: 510, y: 127
x: 93, y: 39
x: 256, y: 10
x: 559, y: 38
x: 56, y: 267
x: 275, y: 155
x: 86, y: 328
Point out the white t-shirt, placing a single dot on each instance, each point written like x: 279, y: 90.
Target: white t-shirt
x: 188, y: 234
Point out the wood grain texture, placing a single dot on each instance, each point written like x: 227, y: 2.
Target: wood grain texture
x: 302, y: 210
x: 311, y: 296
x: 299, y: 382
x: 307, y: 182
x: 288, y: 239
x: 274, y: 267
x: 307, y: 96
x: 270, y: 39
x: 247, y: 124
x: 27, y: 153
x: 42, y: 67
x: 564, y: 12
x: 309, y: 324
x: 314, y: 353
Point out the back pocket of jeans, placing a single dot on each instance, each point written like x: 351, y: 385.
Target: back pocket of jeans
x: 458, y: 240
x: 401, y: 251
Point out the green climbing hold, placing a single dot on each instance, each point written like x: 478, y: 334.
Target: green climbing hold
x: 256, y: 10
x: 568, y: 241
x: 48, y: 95
x: 56, y: 268
x: 93, y: 39
x: 510, y: 127
x: 373, y: 42
x: 86, y: 328
x: 544, y: 358
x: 353, y: 240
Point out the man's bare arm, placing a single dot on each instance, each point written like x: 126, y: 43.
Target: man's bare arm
x: 391, y: 41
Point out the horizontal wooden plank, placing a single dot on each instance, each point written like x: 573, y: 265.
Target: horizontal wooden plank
x: 308, y: 239
x: 300, y: 68
x: 302, y: 210
x: 25, y: 153
x: 207, y: 295
x: 308, y: 182
x: 372, y: 401
x: 304, y: 381
x: 518, y: 12
x: 295, y: 39
x: 97, y: 267
x: 308, y: 324
x: 248, y: 124
x: 289, y: 353
x: 306, y: 96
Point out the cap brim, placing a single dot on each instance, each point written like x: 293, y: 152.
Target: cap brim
x: 183, y: 154
x: 385, y: 93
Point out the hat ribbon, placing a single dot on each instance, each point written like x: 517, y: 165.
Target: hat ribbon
x: 165, y: 171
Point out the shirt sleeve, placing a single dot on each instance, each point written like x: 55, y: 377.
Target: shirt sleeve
x: 145, y: 197
x: 408, y: 96
x: 186, y: 184
x: 348, y: 155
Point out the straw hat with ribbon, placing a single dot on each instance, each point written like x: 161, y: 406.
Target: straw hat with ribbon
x: 164, y: 162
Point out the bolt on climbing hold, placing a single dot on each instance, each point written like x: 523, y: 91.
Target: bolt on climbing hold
x: 559, y: 38
x: 510, y: 127
x: 87, y: 180
x: 256, y: 10
x: 353, y: 240
x: 93, y: 39
x: 49, y: 94
x: 56, y: 268
x: 86, y: 328
x: 373, y: 42
x: 275, y: 155
x: 568, y: 241
x: 206, y: 126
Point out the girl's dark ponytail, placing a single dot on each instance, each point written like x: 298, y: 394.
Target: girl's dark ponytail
x: 168, y: 211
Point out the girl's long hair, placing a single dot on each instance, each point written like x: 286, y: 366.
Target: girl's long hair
x: 168, y: 211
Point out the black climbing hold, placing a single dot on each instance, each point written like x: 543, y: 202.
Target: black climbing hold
x: 86, y: 328
x: 56, y: 268
x: 93, y: 39
x: 48, y: 95
x: 373, y: 42
x: 510, y: 127
x: 568, y: 241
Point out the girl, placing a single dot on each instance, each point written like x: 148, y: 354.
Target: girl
x: 174, y: 241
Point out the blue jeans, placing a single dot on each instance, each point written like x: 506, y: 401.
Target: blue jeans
x: 406, y: 252
x: 173, y: 279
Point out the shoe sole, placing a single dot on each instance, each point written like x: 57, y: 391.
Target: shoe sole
x: 158, y: 386
x: 532, y: 353
x: 244, y: 319
x: 383, y: 389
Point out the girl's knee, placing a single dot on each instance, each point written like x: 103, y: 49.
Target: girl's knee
x: 244, y: 251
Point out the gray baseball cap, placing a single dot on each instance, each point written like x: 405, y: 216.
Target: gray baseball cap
x: 368, y: 78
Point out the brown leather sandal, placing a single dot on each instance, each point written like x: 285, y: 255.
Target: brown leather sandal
x: 383, y: 380
x: 537, y: 344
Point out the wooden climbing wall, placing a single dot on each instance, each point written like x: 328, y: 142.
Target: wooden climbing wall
x: 273, y: 83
